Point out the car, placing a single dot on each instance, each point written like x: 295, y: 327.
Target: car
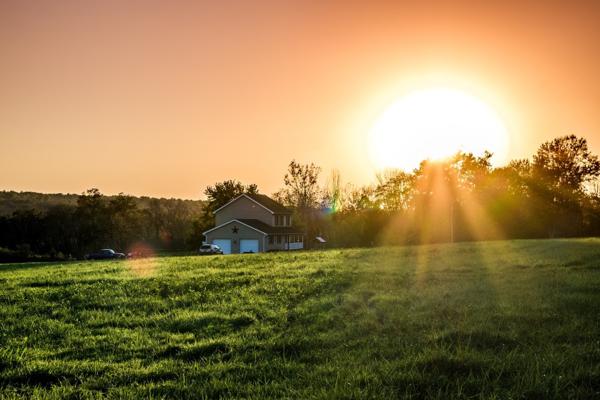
x: 209, y: 249
x: 105, y: 254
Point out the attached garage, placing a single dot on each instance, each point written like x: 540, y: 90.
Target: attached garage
x: 237, y: 236
x: 249, y: 246
x: 224, y: 244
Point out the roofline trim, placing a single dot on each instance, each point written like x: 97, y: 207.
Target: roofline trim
x: 234, y: 220
x: 246, y: 196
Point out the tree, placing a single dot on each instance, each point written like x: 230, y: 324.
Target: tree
x: 395, y: 190
x: 301, y: 192
x: 565, y: 164
x: 334, y: 194
x: 301, y: 189
x: 361, y: 198
x: 560, y: 169
x: 124, y: 219
x: 220, y: 194
x: 156, y: 216
x: 93, y: 220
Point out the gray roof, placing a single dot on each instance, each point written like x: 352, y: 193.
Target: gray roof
x: 268, y: 229
x: 269, y: 203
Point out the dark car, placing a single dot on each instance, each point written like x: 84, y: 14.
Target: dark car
x: 209, y: 249
x: 105, y: 254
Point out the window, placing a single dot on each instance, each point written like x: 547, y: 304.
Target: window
x: 287, y: 220
x: 278, y: 238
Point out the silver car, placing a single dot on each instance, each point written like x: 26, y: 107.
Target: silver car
x: 209, y: 249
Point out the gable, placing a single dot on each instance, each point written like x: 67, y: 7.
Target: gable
x: 226, y: 230
x: 262, y: 200
x: 243, y: 208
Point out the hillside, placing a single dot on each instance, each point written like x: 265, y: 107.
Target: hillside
x: 11, y: 201
x: 513, y: 319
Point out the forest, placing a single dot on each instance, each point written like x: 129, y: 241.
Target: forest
x: 555, y: 193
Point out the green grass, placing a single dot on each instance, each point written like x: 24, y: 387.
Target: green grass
x: 499, y: 320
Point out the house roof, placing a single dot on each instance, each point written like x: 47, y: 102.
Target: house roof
x: 262, y: 200
x: 260, y: 227
x: 268, y: 229
x: 269, y: 203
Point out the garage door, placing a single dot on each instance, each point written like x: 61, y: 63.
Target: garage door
x: 224, y: 244
x: 248, y: 246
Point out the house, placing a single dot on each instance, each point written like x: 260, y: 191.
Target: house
x: 253, y: 223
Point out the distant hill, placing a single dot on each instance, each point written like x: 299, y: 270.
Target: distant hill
x: 11, y: 201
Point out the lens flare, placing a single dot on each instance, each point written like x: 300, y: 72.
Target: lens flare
x: 141, y: 260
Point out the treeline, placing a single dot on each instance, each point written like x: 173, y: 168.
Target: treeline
x: 71, y: 229
x: 556, y: 193
x: 11, y: 201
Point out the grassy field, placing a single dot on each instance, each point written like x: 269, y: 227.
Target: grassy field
x: 500, y: 320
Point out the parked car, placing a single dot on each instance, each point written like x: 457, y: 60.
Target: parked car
x: 209, y: 249
x: 105, y: 254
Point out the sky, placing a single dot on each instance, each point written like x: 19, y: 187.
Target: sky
x: 162, y: 98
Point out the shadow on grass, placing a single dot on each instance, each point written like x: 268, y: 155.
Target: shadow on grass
x: 479, y: 340
x: 196, y: 352
x: 39, y: 377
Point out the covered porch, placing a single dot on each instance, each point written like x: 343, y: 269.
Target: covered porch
x: 284, y: 241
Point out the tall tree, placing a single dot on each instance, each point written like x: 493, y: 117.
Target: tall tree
x: 301, y: 188
x: 565, y: 164
x: 94, y: 223
x: 220, y: 194
x: 395, y: 190
x: 560, y: 169
x: 124, y: 219
x: 334, y: 194
x: 302, y: 193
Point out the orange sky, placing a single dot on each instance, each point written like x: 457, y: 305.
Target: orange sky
x: 163, y: 98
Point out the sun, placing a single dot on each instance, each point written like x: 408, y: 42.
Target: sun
x: 433, y: 124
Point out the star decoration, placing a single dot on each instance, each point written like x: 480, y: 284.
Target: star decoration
x: 234, y: 229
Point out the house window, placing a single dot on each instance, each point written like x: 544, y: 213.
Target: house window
x: 287, y: 220
x: 278, y: 237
